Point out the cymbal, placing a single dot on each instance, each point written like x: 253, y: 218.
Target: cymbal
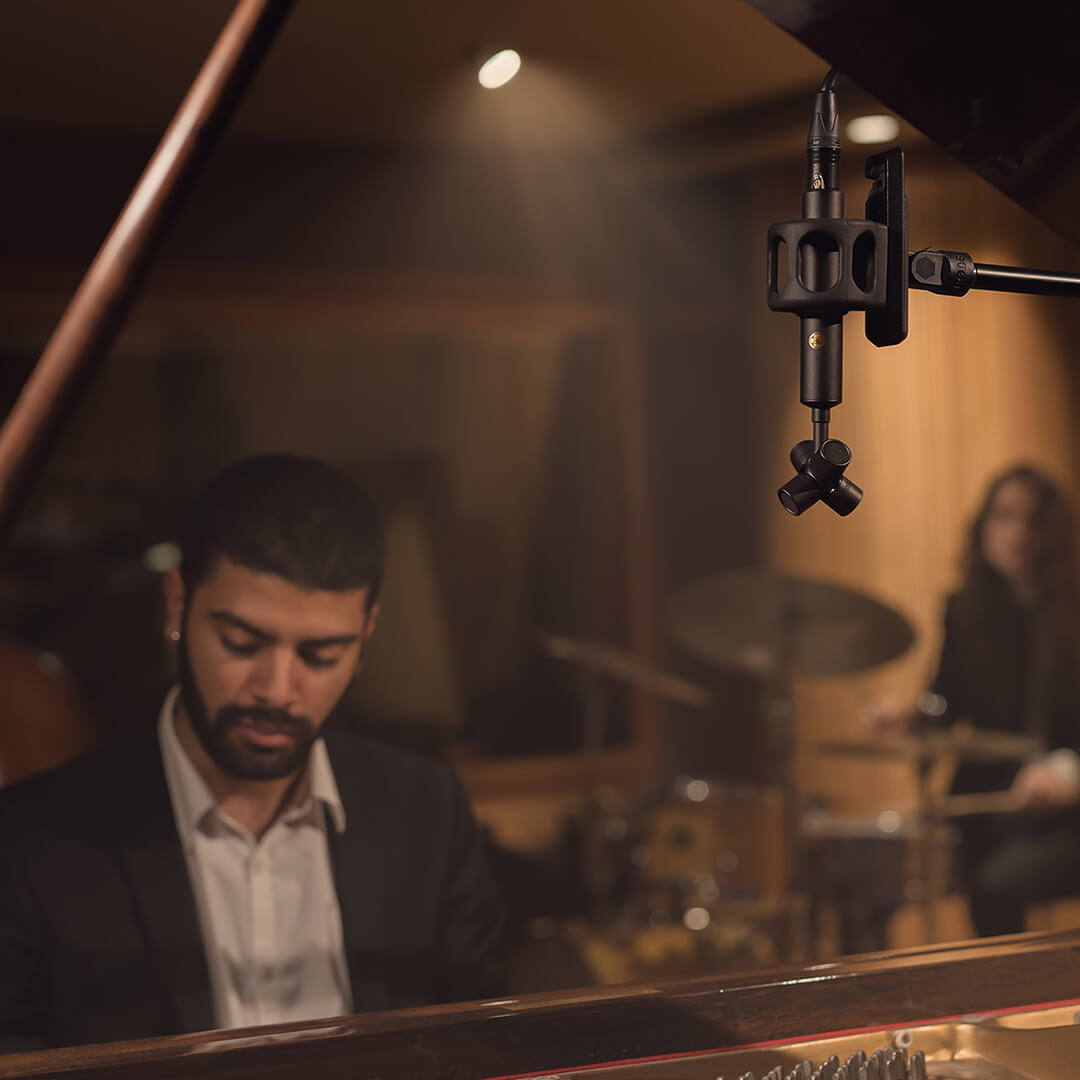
x: 760, y: 623
x: 602, y: 658
x: 969, y: 744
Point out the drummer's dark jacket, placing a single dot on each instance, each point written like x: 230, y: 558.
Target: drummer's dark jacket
x: 99, y: 936
x: 994, y: 674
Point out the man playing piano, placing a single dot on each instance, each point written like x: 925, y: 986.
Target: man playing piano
x: 230, y: 865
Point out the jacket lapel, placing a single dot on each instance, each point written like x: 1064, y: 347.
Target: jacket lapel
x: 359, y: 859
x: 165, y: 905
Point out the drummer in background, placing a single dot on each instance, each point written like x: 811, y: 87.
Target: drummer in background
x: 1010, y: 662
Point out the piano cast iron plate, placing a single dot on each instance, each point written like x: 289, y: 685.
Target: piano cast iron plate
x: 1040, y: 1044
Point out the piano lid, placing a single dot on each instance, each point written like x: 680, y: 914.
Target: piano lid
x: 994, y: 84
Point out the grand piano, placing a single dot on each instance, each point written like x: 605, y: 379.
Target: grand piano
x: 1005, y: 1009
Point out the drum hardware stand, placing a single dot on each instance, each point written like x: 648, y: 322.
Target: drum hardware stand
x: 835, y: 265
x: 782, y: 731
x: 932, y: 826
x: 597, y: 871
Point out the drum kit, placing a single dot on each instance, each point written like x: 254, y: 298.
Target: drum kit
x: 745, y: 870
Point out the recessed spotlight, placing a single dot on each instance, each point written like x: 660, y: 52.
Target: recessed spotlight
x: 875, y: 128
x: 499, y: 69
x: 161, y: 557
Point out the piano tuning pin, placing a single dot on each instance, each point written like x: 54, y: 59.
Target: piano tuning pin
x: 856, y: 1059
x: 917, y: 1066
x: 830, y: 1067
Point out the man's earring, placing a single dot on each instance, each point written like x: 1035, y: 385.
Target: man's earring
x: 174, y: 635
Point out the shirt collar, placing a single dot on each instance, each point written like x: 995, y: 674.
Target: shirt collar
x: 191, y: 796
x: 324, y: 787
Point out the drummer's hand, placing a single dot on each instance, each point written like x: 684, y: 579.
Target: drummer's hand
x: 1049, y: 783
x: 886, y: 715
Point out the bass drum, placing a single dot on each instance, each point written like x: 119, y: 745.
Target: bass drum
x: 713, y: 840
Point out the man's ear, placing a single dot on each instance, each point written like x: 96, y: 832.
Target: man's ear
x: 369, y: 622
x: 172, y: 589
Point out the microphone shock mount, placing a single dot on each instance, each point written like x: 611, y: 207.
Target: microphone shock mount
x: 832, y: 265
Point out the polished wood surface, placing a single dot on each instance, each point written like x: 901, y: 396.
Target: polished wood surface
x: 565, y: 1031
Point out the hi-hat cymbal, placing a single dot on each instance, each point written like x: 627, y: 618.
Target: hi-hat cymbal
x: 602, y: 658
x: 761, y: 623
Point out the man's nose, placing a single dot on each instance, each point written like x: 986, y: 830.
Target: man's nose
x: 273, y: 678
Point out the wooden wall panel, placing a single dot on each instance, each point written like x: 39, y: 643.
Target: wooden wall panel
x: 982, y: 382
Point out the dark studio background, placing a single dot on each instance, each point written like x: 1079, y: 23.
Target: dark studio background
x: 535, y: 327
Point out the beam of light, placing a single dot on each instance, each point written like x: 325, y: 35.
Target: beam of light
x: 561, y: 179
x: 877, y: 128
x: 499, y: 69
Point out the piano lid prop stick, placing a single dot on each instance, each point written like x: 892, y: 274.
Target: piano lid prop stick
x: 97, y: 310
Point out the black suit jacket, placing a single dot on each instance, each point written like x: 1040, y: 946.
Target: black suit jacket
x: 991, y: 675
x: 99, y: 937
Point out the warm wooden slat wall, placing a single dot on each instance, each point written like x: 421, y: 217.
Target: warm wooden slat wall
x: 982, y: 382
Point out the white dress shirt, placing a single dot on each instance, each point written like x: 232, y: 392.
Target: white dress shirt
x: 267, y: 906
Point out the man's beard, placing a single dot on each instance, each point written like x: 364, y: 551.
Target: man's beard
x: 228, y: 749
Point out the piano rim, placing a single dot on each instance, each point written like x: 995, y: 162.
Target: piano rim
x: 598, y: 1027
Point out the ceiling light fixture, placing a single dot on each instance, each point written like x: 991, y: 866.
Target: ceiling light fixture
x: 499, y: 69
x: 875, y: 128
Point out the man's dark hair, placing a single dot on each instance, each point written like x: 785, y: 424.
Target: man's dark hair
x: 298, y: 518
